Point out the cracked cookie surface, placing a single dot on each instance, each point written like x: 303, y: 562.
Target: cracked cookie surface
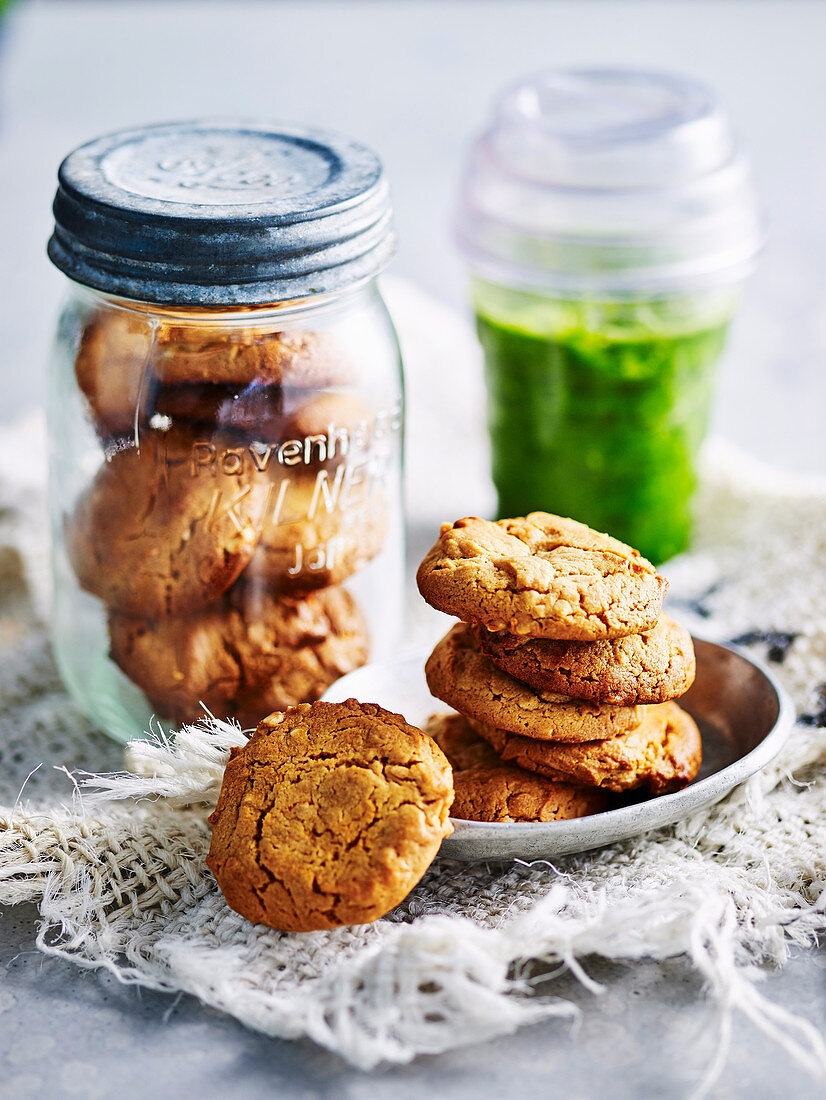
x: 651, y: 667
x: 543, y: 576
x: 459, y: 674
x: 152, y: 536
x: 243, y: 656
x: 488, y: 790
x: 329, y: 815
x: 664, y: 754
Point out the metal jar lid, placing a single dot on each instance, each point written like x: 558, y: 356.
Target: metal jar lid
x: 217, y: 213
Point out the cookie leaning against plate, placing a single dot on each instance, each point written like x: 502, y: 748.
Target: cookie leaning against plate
x: 651, y: 667
x: 543, y: 576
x: 459, y: 674
x: 664, y: 754
x: 488, y: 790
x: 329, y: 815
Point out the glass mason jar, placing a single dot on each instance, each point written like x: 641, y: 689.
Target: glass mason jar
x: 225, y: 423
x: 608, y: 220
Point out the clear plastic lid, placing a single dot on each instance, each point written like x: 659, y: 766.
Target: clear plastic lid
x: 608, y: 181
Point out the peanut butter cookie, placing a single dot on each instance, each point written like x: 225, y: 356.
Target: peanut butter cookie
x: 650, y: 667
x: 461, y: 676
x: 329, y: 815
x: 123, y: 359
x: 663, y: 753
x: 239, y: 357
x: 325, y: 414
x: 111, y: 368
x: 462, y: 746
x: 154, y: 535
x: 317, y: 533
x: 116, y: 374
x: 488, y: 790
x: 542, y: 576
x: 244, y: 655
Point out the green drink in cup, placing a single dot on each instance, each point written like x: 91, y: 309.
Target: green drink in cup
x: 609, y: 220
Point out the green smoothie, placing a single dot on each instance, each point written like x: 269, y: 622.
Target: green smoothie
x: 597, y: 410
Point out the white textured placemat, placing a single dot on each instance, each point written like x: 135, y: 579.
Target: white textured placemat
x: 118, y: 870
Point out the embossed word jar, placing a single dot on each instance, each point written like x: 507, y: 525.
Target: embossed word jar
x: 226, y: 422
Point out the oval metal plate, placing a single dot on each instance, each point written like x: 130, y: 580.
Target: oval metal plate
x: 744, y: 717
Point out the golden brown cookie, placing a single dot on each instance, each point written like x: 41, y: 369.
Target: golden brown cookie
x: 244, y: 655
x: 124, y: 360
x: 663, y: 753
x: 650, y: 667
x: 460, y: 743
x: 198, y: 352
x: 329, y: 815
x: 326, y: 414
x: 485, y: 789
x: 157, y: 535
x: 111, y: 368
x: 317, y: 532
x: 542, y: 576
x: 117, y: 375
x: 459, y: 674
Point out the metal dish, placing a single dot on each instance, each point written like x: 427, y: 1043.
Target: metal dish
x: 744, y: 717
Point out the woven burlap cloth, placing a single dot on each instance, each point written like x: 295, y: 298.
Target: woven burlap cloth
x: 116, y: 864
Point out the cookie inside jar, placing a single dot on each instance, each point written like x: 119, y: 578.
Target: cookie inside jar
x: 246, y: 485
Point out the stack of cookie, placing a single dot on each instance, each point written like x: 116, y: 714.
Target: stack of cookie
x: 219, y: 529
x: 563, y: 668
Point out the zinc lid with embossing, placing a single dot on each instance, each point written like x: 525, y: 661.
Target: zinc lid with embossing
x: 217, y: 213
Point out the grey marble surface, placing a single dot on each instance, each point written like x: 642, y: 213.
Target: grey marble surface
x: 411, y: 78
